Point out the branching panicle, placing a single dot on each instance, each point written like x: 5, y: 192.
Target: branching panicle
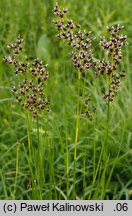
x: 79, y: 40
x: 113, y: 47
x: 82, y: 55
x: 30, y: 92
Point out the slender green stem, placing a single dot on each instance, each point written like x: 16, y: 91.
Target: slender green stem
x: 107, y: 122
x: 106, y: 155
x: 38, y: 130
x: 66, y: 149
x: 34, y: 186
x: 4, y: 185
x: 100, y: 189
x: 29, y: 157
x: 67, y: 152
x: 40, y: 166
x: 84, y: 173
x: 61, y: 143
x: 94, y: 149
x: 76, y: 137
x: 67, y: 168
x: 17, y: 167
x: 32, y: 164
x: 29, y: 137
x: 103, y: 178
x: 115, y: 161
x: 51, y: 161
x: 107, y: 131
x: 96, y: 172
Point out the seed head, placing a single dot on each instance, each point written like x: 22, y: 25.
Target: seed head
x: 79, y: 40
x: 30, y: 91
x: 114, y: 52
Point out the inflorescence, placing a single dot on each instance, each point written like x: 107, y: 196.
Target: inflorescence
x: 88, y: 109
x: 30, y: 92
x: 82, y: 55
x: 114, y: 52
x: 79, y: 40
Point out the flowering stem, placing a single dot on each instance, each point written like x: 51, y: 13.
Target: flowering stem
x: 107, y: 130
x: 29, y: 137
x: 38, y: 138
x: 76, y: 137
x: 106, y: 155
x: 39, y: 167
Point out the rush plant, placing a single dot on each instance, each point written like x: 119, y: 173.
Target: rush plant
x: 72, y: 152
x: 83, y: 59
x: 29, y: 92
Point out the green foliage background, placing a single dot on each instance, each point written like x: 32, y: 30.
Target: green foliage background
x: 33, y: 20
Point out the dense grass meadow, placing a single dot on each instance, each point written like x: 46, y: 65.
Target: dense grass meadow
x: 62, y: 154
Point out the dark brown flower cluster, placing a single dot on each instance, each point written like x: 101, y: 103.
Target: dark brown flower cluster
x: 20, y: 67
x: 79, y: 40
x: 114, y: 86
x: 113, y: 47
x: 88, y: 109
x: 30, y: 92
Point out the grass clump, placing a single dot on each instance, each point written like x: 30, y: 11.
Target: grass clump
x: 82, y: 148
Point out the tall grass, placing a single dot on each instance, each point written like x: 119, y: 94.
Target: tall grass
x: 61, y: 155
